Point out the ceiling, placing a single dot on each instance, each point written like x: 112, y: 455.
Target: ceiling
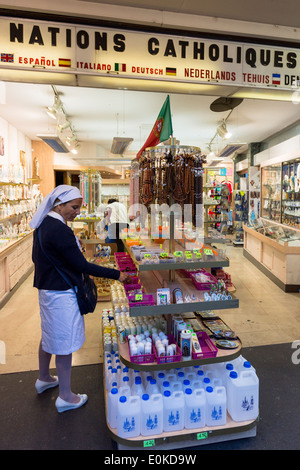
x: 99, y: 115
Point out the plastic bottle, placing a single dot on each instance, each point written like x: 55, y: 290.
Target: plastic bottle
x: 129, y: 416
x: 176, y: 386
x: 186, y: 384
x: 152, y: 387
x: 216, y: 406
x: 112, y: 407
x: 186, y: 344
x: 173, y: 411
x: 165, y: 386
x: 181, y: 376
x: 137, y: 388
x: 113, y: 379
x: 243, y: 395
x: 160, y: 378
x: 151, y: 414
x: 195, y: 408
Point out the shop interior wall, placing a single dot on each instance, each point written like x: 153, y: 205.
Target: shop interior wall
x: 45, y: 156
x: 14, y: 142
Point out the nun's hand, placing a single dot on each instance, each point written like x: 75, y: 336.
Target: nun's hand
x: 124, y: 277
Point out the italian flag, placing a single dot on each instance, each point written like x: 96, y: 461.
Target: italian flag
x: 162, y: 128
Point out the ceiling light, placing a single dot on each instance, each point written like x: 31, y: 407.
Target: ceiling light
x: 120, y: 144
x: 62, y: 127
x: 54, y: 142
x: 223, y: 132
x: 53, y: 110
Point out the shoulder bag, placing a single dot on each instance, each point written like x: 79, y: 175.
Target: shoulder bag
x: 86, y: 293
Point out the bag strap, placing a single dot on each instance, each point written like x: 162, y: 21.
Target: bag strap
x: 65, y: 278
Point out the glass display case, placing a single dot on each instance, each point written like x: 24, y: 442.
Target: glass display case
x: 290, y: 206
x: 271, y: 192
x: 284, y: 235
x: 280, y: 192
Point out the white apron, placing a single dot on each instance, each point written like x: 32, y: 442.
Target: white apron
x: 63, y: 330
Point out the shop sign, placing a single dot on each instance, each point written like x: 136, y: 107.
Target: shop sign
x: 32, y: 45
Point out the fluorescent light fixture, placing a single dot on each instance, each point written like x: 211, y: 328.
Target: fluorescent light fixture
x: 120, y: 144
x: 54, y: 142
x: 232, y: 148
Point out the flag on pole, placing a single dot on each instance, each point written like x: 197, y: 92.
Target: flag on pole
x: 162, y: 128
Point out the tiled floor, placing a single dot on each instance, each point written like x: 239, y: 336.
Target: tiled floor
x: 267, y: 315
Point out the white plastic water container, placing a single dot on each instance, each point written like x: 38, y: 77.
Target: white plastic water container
x: 137, y: 388
x: 173, y: 411
x: 129, y: 416
x: 151, y: 414
x: 243, y: 395
x: 216, y: 404
x: 152, y: 387
x: 112, y: 407
x: 165, y: 386
x: 113, y: 379
x: 195, y: 408
x: 176, y: 386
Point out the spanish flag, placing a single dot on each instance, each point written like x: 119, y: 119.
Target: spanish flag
x: 64, y: 62
x: 162, y: 128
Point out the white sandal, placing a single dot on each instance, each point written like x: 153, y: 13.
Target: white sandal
x: 63, y: 405
x: 41, y: 386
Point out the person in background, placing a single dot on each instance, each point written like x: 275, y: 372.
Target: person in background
x: 62, y: 325
x: 116, y: 219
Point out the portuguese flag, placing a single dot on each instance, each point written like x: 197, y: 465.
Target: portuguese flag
x: 162, y: 128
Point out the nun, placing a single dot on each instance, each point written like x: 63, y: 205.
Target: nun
x: 62, y: 325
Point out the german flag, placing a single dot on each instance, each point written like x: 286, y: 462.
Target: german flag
x: 171, y: 71
x: 64, y: 62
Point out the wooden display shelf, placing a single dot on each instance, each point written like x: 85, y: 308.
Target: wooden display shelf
x: 153, y: 280
x: 223, y: 355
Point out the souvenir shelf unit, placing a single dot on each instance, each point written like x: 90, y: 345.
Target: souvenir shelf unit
x: 168, y: 274
x: 217, y: 202
x: 280, y: 192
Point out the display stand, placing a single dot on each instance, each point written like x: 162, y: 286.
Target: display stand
x: 184, y: 438
x: 168, y: 274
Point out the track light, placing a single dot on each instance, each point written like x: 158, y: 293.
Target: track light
x: 223, y: 132
x: 53, y: 110
x: 62, y: 127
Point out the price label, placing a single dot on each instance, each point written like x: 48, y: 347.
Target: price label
x: 147, y: 255
x: 149, y: 443
x: 178, y: 254
x: 208, y: 251
x: 201, y: 435
x: 138, y: 297
x: 188, y: 255
x: 198, y: 255
x: 164, y: 254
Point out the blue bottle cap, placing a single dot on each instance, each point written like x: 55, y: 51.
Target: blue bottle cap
x: 247, y: 364
x: 167, y: 393
x: 138, y: 380
x: 123, y: 399
x: 188, y: 391
x: 166, y: 384
x: 145, y: 396
x: 114, y: 391
x: 126, y: 379
x: 209, y: 389
x: 206, y: 380
x: 186, y: 382
x: 233, y: 374
x: 229, y: 366
x: 180, y: 374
